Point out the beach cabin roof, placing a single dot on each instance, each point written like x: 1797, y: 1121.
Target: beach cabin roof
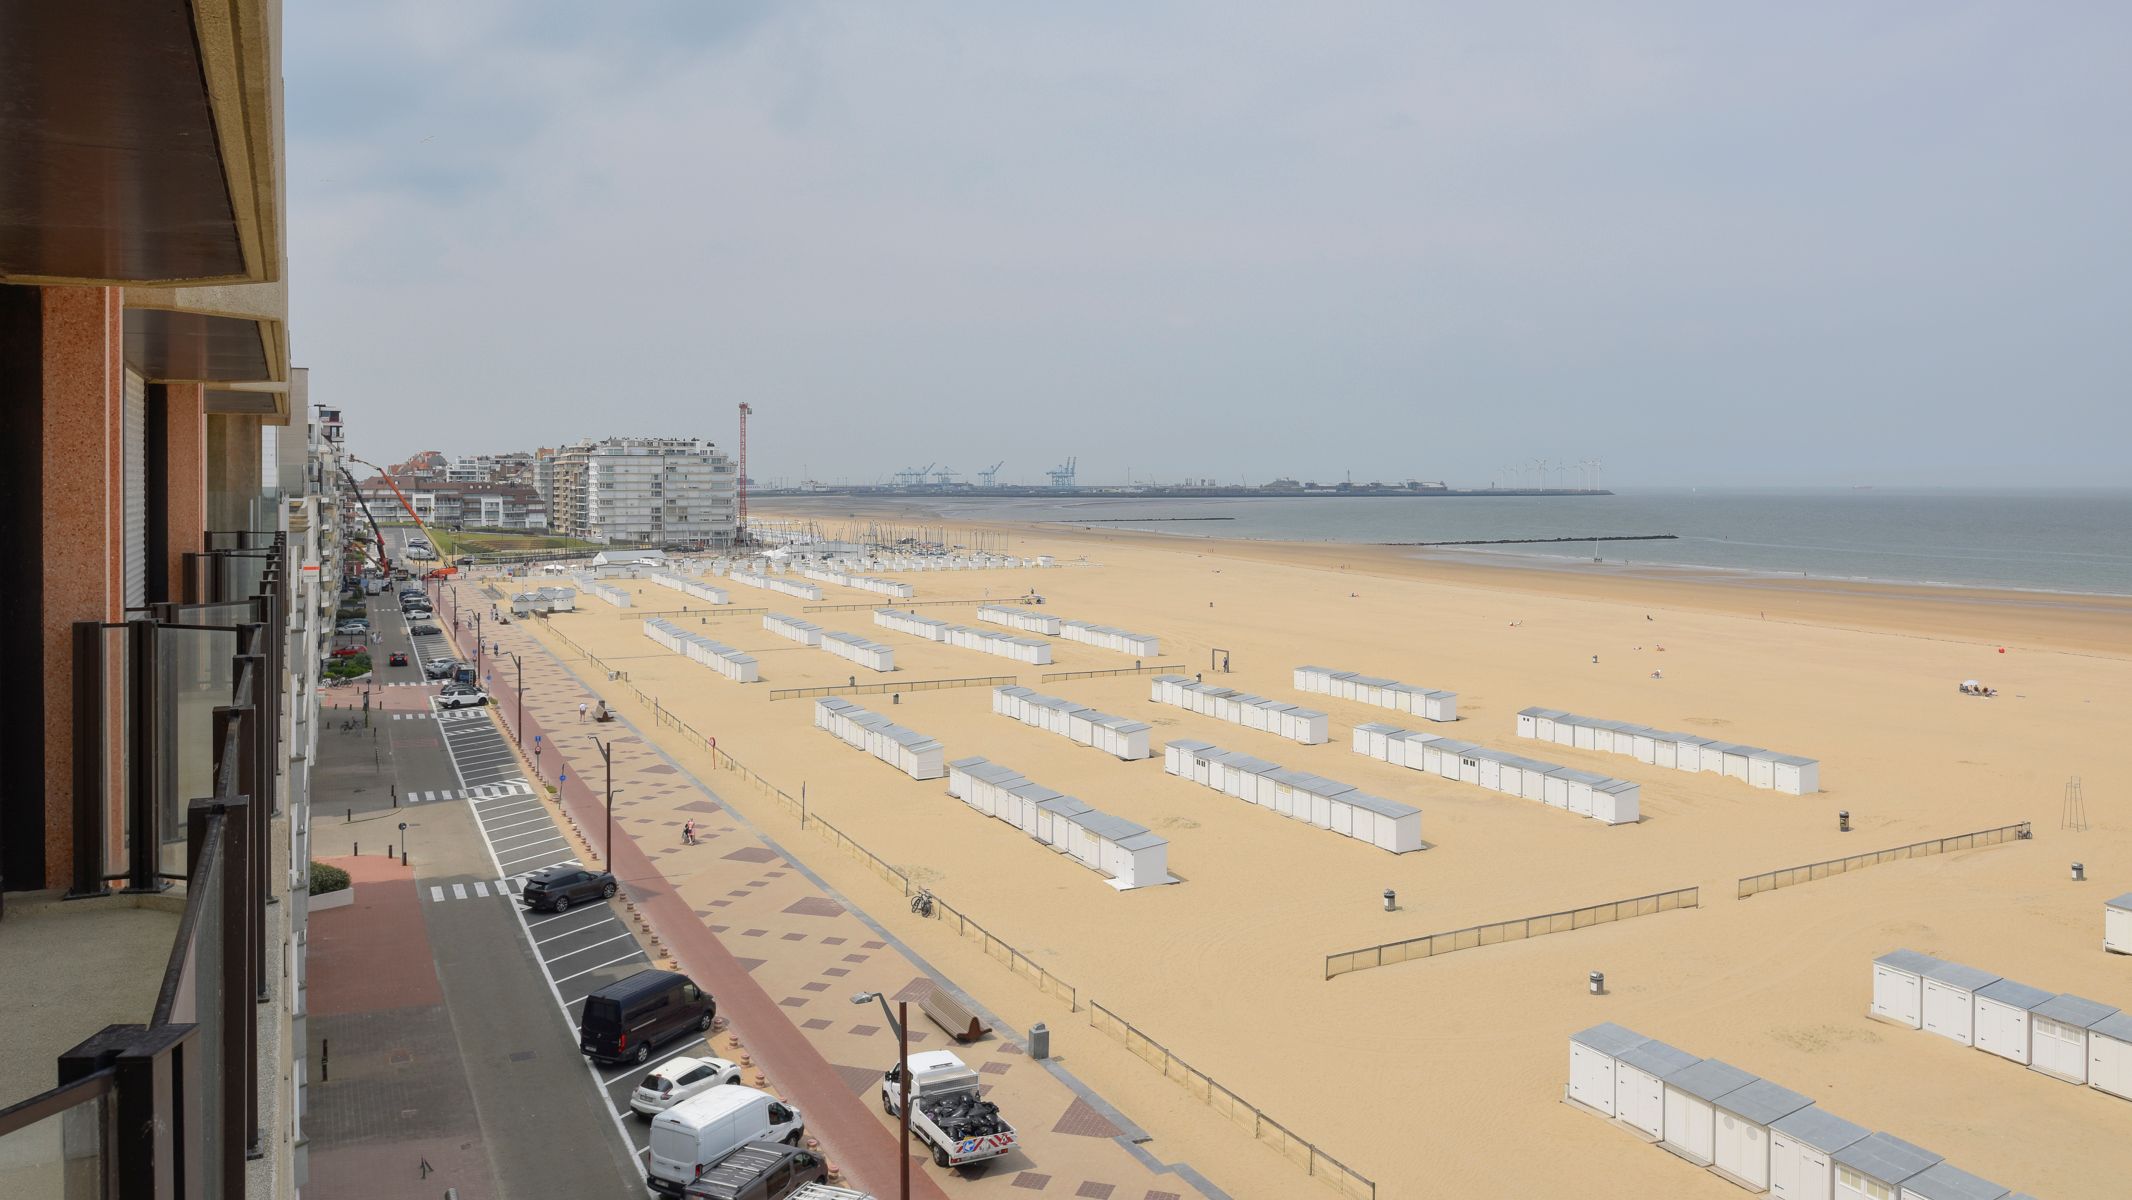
x: 964, y: 764
x: 2123, y: 902
x: 1189, y: 745
x: 1944, y: 1181
x: 1104, y: 825
x: 1034, y: 793
x: 1379, y: 728
x: 1318, y: 785
x: 1820, y: 1128
x: 1888, y: 1159
x: 1909, y: 960
x: 1608, y: 1039
x: 1762, y: 1102
x: 1549, y: 713
x: 2068, y: 1009
x: 1654, y: 1057
x: 1377, y: 804
x: 2014, y: 995
x: 1067, y: 806
x: 2117, y: 1025
x: 1588, y: 778
x: 1141, y: 841
x: 1956, y: 975
x: 1794, y: 760
x: 1709, y: 1079
x: 1453, y: 746
x: 1257, y: 766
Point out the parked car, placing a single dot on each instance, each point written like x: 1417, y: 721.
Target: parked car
x: 464, y: 560
x: 354, y: 628
x: 677, y: 1079
x: 351, y: 651
x: 557, y: 888
x: 688, y: 1137
x: 627, y: 1019
x: 948, y: 1110
x: 397, y: 659
x: 467, y: 696
x: 412, y: 593
x: 422, y: 628
x: 420, y: 614
x: 758, y: 1171
x: 440, y: 668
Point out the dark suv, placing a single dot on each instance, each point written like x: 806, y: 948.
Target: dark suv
x: 558, y: 888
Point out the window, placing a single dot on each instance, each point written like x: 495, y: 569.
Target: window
x: 780, y: 1113
x: 697, y: 1076
x: 1858, y: 1185
x: 691, y: 993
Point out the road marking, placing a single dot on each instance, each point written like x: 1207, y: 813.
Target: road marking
x: 648, y: 1068
x: 591, y: 946
x: 567, y: 932
x: 610, y: 962
x: 480, y: 888
x: 458, y: 891
x: 436, y: 894
x: 542, y: 820
x: 519, y: 836
x: 530, y: 857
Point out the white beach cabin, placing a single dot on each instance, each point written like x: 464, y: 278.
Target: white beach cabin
x: 2110, y: 1055
x: 1743, y: 1121
x: 1802, y: 1150
x: 2002, y: 1018
x: 1873, y: 1167
x: 2117, y: 924
x: 1950, y: 1001
x: 1948, y: 1182
x: 1639, y: 1090
x: 1691, y: 1107
x: 1793, y: 775
x: 2058, y: 1035
x: 1591, y: 1064
x: 1899, y: 986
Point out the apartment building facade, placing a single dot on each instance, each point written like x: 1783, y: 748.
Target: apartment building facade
x: 165, y: 643
x: 643, y: 491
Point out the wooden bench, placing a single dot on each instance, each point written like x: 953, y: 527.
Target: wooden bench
x: 949, y: 1013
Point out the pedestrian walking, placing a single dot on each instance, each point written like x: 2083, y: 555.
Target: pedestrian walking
x: 688, y: 832
x: 581, y: 712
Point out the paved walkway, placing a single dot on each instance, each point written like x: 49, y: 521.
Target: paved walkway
x: 393, y: 1096
x: 783, y: 955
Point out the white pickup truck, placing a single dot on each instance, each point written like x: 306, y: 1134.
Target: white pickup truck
x: 947, y: 1111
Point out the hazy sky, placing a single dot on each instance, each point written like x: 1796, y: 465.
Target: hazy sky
x: 1705, y: 243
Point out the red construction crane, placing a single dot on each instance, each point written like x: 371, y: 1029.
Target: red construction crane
x: 740, y: 513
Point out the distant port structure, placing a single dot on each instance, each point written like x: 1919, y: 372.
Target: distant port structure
x: 1541, y: 477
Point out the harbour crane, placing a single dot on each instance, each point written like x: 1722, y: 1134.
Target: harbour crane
x: 1062, y: 475
x: 945, y: 477
x: 989, y: 477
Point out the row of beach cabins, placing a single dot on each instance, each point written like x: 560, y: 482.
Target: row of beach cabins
x: 1751, y: 1131
x: 1033, y: 651
x: 1325, y: 803
x: 1121, y: 736
x: 1132, y: 855
x: 872, y: 655
x: 2058, y: 1034
x: 736, y: 665
x: 886, y: 587
x: 771, y: 583
x: 1606, y: 800
x: 1103, y: 637
x: 544, y: 600
x: 1788, y: 773
x: 1291, y: 721
x: 1430, y: 704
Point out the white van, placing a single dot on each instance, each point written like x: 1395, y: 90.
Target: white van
x: 694, y: 1133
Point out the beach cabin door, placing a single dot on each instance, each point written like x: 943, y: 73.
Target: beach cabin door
x: 1640, y: 1100
x: 1797, y: 1171
x: 1743, y: 1149
x: 1591, y: 1078
x: 2110, y: 1064
x: 2059, y: 1049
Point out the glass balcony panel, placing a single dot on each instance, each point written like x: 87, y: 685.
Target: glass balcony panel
x: 195, y: 674
x: 62, y: 1157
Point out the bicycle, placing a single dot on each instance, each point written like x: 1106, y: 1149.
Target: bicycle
x: 922, y: 903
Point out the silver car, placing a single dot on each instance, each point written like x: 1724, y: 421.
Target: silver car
x: 677, y: 1079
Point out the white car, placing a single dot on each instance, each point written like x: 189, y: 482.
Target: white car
x: 462, y: 699
x: 677, y: 1079
x: 352, y: 628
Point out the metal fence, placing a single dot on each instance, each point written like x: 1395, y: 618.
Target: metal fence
x: 1298, y: 1149
x: 1003, y: 951
x: 878, y: 689
x: 892, y: 602
x: 1784, y: 877
x: 1055, y: 676
x: 1515, y: 930
x: 701, y: 610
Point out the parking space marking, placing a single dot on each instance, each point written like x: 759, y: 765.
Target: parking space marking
x: 610, y: 962
x: 581, y: 949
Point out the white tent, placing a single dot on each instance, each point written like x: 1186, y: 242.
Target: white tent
x: 2110, y: 1055
x: 2058, y: 1035
x: 1945, y: 1181
x: 1591, y: 1064
x: 1743, y: 1121
x: 2002, y: 1024
x: 2117, y: 924
x: 1899, y: 986
x: 1802, y: 1150
x: 1872, y: 1167
x: 1690, y: 1112
x: 1639, y: 1090
x: 1950, y: 1004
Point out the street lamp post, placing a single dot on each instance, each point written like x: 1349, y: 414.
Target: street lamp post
x: 899, y: 1021
x: 519, y: 662
x: 536, y: 757
x: 477, y: 643
x: 607, y: 756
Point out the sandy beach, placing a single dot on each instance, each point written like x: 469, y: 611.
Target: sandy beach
x: 1445, y: 1077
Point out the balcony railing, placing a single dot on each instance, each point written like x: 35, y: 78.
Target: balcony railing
x: 178, y: 714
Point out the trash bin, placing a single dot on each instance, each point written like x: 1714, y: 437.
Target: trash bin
x: 1039, y: 1040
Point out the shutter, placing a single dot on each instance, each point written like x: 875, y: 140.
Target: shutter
x: 134, y: 480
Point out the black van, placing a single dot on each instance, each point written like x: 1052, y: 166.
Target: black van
x: 758, y: 1171
x: 625, y: 1019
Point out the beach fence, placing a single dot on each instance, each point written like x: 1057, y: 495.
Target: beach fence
x: 882, y: 689
x: 1055, y: 676
x: 1298, y: 1149
x: 705, y: 610
x: 1518, y: 929
x: 1784, y: 877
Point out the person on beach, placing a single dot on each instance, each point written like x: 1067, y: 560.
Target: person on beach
x: 688, y: 832
x: 581, y: 712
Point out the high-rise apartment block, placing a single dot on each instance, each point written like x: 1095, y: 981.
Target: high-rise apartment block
x: 642, y: 491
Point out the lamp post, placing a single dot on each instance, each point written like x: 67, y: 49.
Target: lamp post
x: 536, y: 756
x: 898, y: 1022
x: 477, y: 643
x: 519, y: 662
x: 607, y: 756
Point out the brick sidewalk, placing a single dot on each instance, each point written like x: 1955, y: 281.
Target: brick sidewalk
x: 782, y: 956
x: 391, y: 1097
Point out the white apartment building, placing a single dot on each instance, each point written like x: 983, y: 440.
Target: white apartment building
x: 644, y: 491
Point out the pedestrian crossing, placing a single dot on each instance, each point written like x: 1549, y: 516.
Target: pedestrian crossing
x: 445, y: 714
x: 414, y: 683
x: 482, y: 889
x: 493, y: 791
